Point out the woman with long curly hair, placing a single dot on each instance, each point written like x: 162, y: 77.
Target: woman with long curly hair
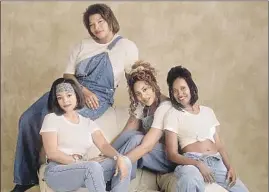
x: 142, y: 137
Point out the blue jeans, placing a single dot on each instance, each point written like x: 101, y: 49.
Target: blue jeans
x: 29, y: 141
x: 156, y: 160
x: 97, y: 75
x: 189, y: 178
x: 90, y: 174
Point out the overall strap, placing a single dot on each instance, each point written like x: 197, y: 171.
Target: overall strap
x: 113, y: 43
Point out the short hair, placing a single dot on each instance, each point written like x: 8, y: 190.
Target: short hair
x: 53, y: 105
x: 141, y: 71
x: 105, y: 12
x: 181, y: 72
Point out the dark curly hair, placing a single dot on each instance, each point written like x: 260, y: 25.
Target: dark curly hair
x: 105, y: 12
x: 181, y: 72
x: 141, y: 71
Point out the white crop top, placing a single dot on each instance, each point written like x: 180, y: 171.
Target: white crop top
x: 191, y: 128
x: 71, y: 138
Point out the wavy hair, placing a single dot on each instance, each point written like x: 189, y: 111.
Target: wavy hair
x: 141, y: 71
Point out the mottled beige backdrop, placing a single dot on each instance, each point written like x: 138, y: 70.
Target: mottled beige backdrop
x: 224, y: 44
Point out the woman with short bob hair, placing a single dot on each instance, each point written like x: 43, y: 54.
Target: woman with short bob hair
x: 53, y: 104
x: 67, y: 136
x: 193, y: 129
x: 106, y: 13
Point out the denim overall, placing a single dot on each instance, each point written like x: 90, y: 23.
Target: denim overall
x: 96, y: 74
x: 156, y: 160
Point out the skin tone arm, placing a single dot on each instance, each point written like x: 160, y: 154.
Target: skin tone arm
x: 222, y: 151
x: 90, y: 98
x: 148, y: 142
x: 104, y: 146
x: 50, y: 145
x: 231, y: 175
x: 171, y: 142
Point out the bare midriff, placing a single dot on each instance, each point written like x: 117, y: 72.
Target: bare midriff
x: 205, y: 147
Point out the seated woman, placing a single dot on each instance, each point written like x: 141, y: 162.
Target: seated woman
x: 141, y: 139
x: 192, y: 127
x: 67, y: 136
x: 97, y: 64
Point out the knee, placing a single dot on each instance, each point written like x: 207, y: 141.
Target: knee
x: 93, y: 167
x: 189, y: 174
x: 129, y: 133
x: 136, y: 139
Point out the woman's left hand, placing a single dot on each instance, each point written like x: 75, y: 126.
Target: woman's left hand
x: 231, y: 177
x: 121, y: 166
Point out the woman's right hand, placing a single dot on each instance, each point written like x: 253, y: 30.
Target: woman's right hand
x: 206, y: 172
x: 91, y: 99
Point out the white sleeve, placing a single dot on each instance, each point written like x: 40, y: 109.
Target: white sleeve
x: 131, y: 56
x: 214, y: 119
x: 72, y: 61
x: 214, y: 122
x: 171, y: 121
x: 93, y: 126
x: 49, y: 124
x: 159, y: 115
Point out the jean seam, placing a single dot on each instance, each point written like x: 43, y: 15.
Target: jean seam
x: 93, y: 181
x: 66, y: 169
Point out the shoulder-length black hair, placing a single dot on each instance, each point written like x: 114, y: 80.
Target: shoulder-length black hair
x: 181, y: 72
x: 53, y: 105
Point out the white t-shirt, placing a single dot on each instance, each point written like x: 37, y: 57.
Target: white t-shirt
x: 191, y: 128
x: 158, y: 114
x: 71, y: 138
x: 122, y: 56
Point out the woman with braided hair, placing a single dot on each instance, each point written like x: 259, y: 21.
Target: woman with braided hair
x: 142, y: 137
